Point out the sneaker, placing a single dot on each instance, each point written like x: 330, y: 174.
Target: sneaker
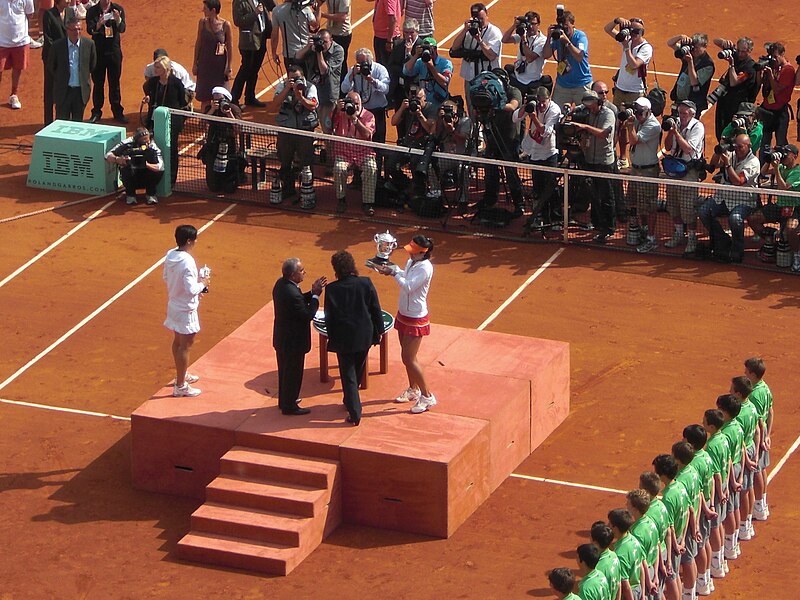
x: 795, y: 267
x: 711, y: 584
x: 130, y: 200
x: 744, y: 534
x: 151, y: 200
x: 729, y: 555
x: 703, y: 590
x: 189, y: 378
x: 185, y: 390
x: 14, y: 102
x: 738, y: 549
x: 718, y: 573
x: 678, y: 239
x: 623, y: 163
x: 726, y: 566
x: 423, y: 404
x: 36, y: 44
x: 761, y: 515
x: 751, y: 530
x: 408, y: 394
x: 647, y: 246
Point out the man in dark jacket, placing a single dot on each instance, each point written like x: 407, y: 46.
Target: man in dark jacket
x: 291, y: 332
x: 105, y: 22
x: 255, y: 28
x: 354, y: 321
x: 71, y: 84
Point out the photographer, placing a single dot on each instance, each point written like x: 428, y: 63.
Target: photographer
x: 450, y: 132
x: 352, y: 121
x: 140, y: 165
x: 738, y: 83
x: 251, y: 17
x: 297, y: 99
x: 744, y: 121
x: 296, y: 21
x: 685, y: 142
x: 777, y: 78
x: 478, y: 45
x: 221, y: 153
x: 697, y: 69
x: 630, y: 80
x: 570, y: 48
x: 338, y: 13
x: 416, y: 116
x: 598, y: 151
x: 401, y: 52
x: 784, y: 171
x: 539, y: 147
x: 370, y: 80
x: 740, y: 168
x: 530, y: 41
x: 430, y: 71
x: 323, y: 60
x: 644, y: 134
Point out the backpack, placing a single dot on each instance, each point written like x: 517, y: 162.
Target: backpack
x: 487, y: 91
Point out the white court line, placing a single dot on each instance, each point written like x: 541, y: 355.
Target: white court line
x: 783, y: 460
x: 101, y: 308
x: 584, y: 486
x: 519, y: 290
x: 76, y: 411
x: 55, y: 244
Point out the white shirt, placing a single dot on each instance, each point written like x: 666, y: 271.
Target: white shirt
x: 183, y: 285
x: 628, y: 79
x: 533, y: 71
x: 178, y: 70
x: 540, y: 145
x: 750, y: 168
x: 494, y: 39
x: 14, y: 23
x: 414, y: 282
x: 695, y: 135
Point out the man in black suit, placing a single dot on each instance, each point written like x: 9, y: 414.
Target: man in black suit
x: 354, y: 321
x: 54, y: 28
x: 255, y: 28
x: 291, y: 332
x: 70, y: 63
x: 105, y: 21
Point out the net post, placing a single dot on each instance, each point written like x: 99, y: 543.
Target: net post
x: 163, y: 139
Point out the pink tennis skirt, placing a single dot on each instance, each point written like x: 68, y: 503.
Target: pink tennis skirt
x: 414, y: 327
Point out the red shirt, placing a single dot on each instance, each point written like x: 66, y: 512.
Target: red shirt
x: 786, y: 79
x: 380, y: 18
x: 344, y: 127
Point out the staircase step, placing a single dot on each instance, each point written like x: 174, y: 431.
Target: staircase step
x: 264, y: 557
x: 250, y: 523
x: 276, y: 466
x: 293, y: 499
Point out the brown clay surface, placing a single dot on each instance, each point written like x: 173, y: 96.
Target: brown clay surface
x: 653, y: 341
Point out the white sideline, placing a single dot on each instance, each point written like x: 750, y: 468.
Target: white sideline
x: 101, y: 308
x: 76, y: 411
x: 519, y: 290
x: 783, y: 460
x: 584, y: 486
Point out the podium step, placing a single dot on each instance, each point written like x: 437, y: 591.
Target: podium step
x: 293, y: 499
x: 250, y: 524
x: 237, y: 553
x: 277, y: 466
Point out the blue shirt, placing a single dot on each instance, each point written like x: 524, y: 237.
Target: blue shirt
x: 434, y: 93
x: 373, y: 95
x: 74, y: 63
x: 579, y: 72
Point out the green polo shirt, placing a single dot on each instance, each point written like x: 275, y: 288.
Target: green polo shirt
x: 792, y: 178
x: 646, y: 531
x: 719, y: 449
x: 761, y: 397
x: 630, y: 554
x: 756, y: 134
x: 609, y: 566
x: 748, y: 420
x: 676, y: 499
x: 704, y: 466
x: 690, y: 479
x: 572, y: 596
x: 594, y: 586
x: 659, y: 514
x: 735, y: 434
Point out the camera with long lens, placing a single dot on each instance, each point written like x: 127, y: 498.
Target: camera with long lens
x: 763, y: 62
x: 522, y: 25
x: 558, y: 27
x: 626, y: 112
x: 726, y: 54
x: 364, y: 69
x: 718, y: 93
x: 725, y: 145
x: 448, y: 114
x: 413, y: 101
x: 774, y: 155
x: 318, y: 44
x: 427, y: 52
x: 683, y: 51
x: 739, y: 122
x: 299, y: 84
x: 567, y: 135
x: 473, y: 26
x: 349, y: 107
x: 223, y: 105
x: 670, y: 121
x: 623, y: 34
x: 530, y: 103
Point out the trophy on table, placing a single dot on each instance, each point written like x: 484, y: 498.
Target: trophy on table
x: 385, y: 244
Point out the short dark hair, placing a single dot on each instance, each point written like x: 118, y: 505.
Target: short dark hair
x: 742, y: 385
x: 714, y: 417
x: 696, y: 436
x: 756, y: 366
x: 776, y: 47
x: 602, y: 535
x: 185, y: 233
x: 343, y: 264
x: 562, y: 580
x: 589, y: 554
x: 159, y: 52
x: 683, y: 452
x: 729, y: 404
x: 650, y: 482
x: 213, y: 5
x: 620, y: 518
x: 568, y: 16
x: 639, y: 499
x: 665, y: 466
x: 295, y: 68
x: 478, y: 7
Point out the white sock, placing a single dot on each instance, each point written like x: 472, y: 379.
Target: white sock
x: 688, y: 594
x: 759, y: 505
x: 701, y: 580
x: 716, y: 559
x: 764, y: 497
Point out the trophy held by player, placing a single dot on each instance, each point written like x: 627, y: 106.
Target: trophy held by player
x: 385, y: 244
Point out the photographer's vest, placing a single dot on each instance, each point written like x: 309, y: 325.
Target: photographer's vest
x: 294, y: 115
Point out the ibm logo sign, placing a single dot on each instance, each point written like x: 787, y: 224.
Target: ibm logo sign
x: 71, y: 165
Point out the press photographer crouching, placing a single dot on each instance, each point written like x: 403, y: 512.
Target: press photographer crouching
x: 783, y: 171
x: 220, y: 152
x: 739, y: 168
x: 352, y: 121
x: 451, y: 131
x: 697, y: 69
x: 140, y: 165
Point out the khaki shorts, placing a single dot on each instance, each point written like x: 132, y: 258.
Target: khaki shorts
x: 621, y: 97
x: 644, y: 196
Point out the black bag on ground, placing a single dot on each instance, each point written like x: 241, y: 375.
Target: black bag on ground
x: 720, y: 242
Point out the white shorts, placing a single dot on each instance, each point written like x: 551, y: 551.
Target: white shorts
x: 182, y: 321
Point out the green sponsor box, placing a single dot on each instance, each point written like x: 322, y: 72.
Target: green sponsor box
x: 70, y: 156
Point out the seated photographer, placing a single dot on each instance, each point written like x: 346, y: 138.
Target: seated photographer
x: 685, y: 142
x: 644, y: 136
x: 430, y: 70
x: 530, y: 41
x: 777, y: 85
x: 538, y: 147
x: 782, y: 168
x: 697, y: 69
x: 450, y: 134
x: 140, y: 165
x: 417, y: 118
x: 745, y: 121
x: 598, y: 151
x: 370, y: 80
x: 738, y: 83
x: 323, y: 58
x: 740, y: 168
x: 297, y: 109
x: 352, y: 121
x: 478, y: 45
x: 569, y: 47
x: 220, y: 152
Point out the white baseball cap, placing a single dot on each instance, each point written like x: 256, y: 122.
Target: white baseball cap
x: 643, y: 103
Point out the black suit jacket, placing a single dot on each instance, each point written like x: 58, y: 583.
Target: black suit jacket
x: 294, y: 310
x: 58, y: 65
x: 245, y: 17
x: 105, y: 45
x: 54, y: 28
x: 353, y: 315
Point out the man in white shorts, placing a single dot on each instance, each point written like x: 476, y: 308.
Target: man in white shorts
x: 184, y: 286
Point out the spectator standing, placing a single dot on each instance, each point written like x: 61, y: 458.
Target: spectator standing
x: 738, y: 82
x: 337, y: 12
x: 70, y: 63
x: 105, y: 22
x: 213, y: 49
x: 255, y: 28
x: 178, y: 70
x: 571, y: 51
x: 402, y: 50
x: 478, y: 45
x: 352, y: 121
x: 528, y: 66
x: 430, y: 71
x: 54, y: 28
x: 15, y: 16
x: 777, y: 87
x: 386, y: 27
x: 294, y: 24
x: 422, y: 11
x: 697, y: 70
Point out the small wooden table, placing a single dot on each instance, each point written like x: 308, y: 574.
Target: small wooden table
x: 324, y: 376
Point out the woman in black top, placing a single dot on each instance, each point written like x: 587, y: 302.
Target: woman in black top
x: 164, y: 89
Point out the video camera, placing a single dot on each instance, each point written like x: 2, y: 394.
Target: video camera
x: 683, y: 51
x: 776, y: 154
x: 558, y: 26
x: 318, y: 43
x: 522, y: 25
x: 137, y: 157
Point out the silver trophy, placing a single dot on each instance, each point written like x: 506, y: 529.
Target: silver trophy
x: 385, y: 244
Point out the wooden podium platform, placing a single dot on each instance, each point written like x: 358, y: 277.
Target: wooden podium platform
x: 499, y: 397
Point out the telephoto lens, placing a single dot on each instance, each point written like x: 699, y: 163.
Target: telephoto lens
x: 683, y: 51
x: 622, y: 35
x: 668, y: 123
x: 349, y: 107
x: 725, y: 54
